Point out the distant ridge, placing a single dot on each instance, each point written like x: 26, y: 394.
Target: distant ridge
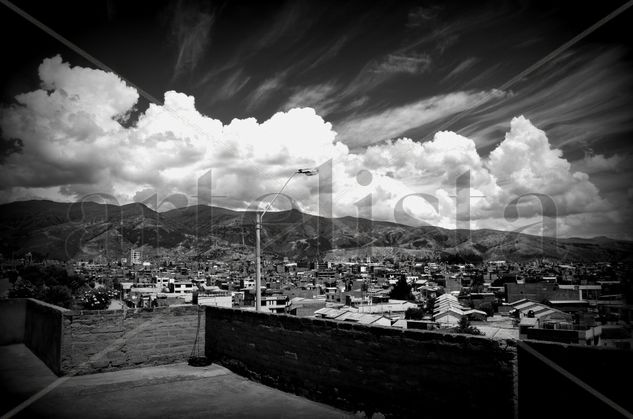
x: 86, y: 230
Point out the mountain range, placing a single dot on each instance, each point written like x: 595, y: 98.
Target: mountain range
x: 85, y: 230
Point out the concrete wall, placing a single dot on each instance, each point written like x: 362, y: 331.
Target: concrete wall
x: 43, y: 332
x: 12, y: 319
x: 106, y: 340
x: 544, y: 393
x: 83, y: 342
x: 374, y: 369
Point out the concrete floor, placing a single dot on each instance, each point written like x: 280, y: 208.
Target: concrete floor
x: 175, y: 390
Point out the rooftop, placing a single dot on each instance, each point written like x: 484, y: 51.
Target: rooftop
x: 174, y: 390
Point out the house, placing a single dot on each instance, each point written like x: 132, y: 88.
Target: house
x: 585, y: 292
x: 330, y: 313
x: 305, y: 307
x: 362, y: 318
x: 528, y: 308
x: 216, y: 298
x: 419, y: 324
x: 274, y: 303
x: 398, y: 307
x: 540, y: 322
x: 539, y: 291
x: 449, y: 317
x: 348, y: 314
x: 447, y: 311
x: 334, y: 295
x: 559, y: 331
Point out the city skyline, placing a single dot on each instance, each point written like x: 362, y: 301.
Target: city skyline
x: 400, y: 98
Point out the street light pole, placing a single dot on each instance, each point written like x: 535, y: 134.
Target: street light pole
x: 258, y: 262
x: 258, y: 228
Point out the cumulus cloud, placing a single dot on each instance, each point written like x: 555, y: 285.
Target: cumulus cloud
x: 598, y: 163
x: 73, y: 145
x: 525, y: 163
x: 62, y: 126
x: 523, y: 166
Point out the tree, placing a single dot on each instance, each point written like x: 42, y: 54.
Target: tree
x: 414, y: 314
x: 97, y: 299
x: 60, y: 295
x: 465, y: 327
x: 22, y: 289
x: 401, y: 291
x: 52, y: 284
x: 33, y: 274
x: 430, y: 304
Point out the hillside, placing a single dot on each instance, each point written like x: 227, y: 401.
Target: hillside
x: 85, y: 230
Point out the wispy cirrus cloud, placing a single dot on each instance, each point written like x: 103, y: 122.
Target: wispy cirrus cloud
x: 323, y: 98
x: 577, y: 99
x: 421, y: 15
x: 390, y: 123
x: 191, y: 27
x: 416, y: 63
x: 329, y: 52
x: 428, y: 36
x: 461, y: 67
x: 228, y: 87
x: 290, y: 18
x: 234, y: 83
x: 263, y: 92
x: 331, y: 96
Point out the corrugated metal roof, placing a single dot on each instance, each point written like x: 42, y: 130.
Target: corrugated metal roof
x: 525, y: 305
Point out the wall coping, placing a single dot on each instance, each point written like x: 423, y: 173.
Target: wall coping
x: 48, y: 305
x: 69, y: 312
x: 122, y: 311
x: 415, y: 334
x: 573, y: 346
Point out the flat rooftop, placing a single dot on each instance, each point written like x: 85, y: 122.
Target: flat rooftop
x: 175, y: 390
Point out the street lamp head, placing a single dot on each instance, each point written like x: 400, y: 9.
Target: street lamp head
x: 258, y: 227
x: 308, y: 172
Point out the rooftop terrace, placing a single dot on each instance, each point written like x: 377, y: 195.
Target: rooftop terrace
x: 174, y: 390
x: 117, y: 363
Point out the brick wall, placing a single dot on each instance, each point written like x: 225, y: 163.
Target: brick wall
x: 84, y: 342
x: 105, y: 340
x: 373, y: 369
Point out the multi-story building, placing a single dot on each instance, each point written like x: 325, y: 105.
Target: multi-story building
x: 136, y: 256
x: 275, y: 303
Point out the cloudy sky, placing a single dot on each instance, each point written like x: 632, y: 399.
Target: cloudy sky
x: 398, y: 103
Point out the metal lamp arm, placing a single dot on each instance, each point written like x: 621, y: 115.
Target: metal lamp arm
x: 278, y: 193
